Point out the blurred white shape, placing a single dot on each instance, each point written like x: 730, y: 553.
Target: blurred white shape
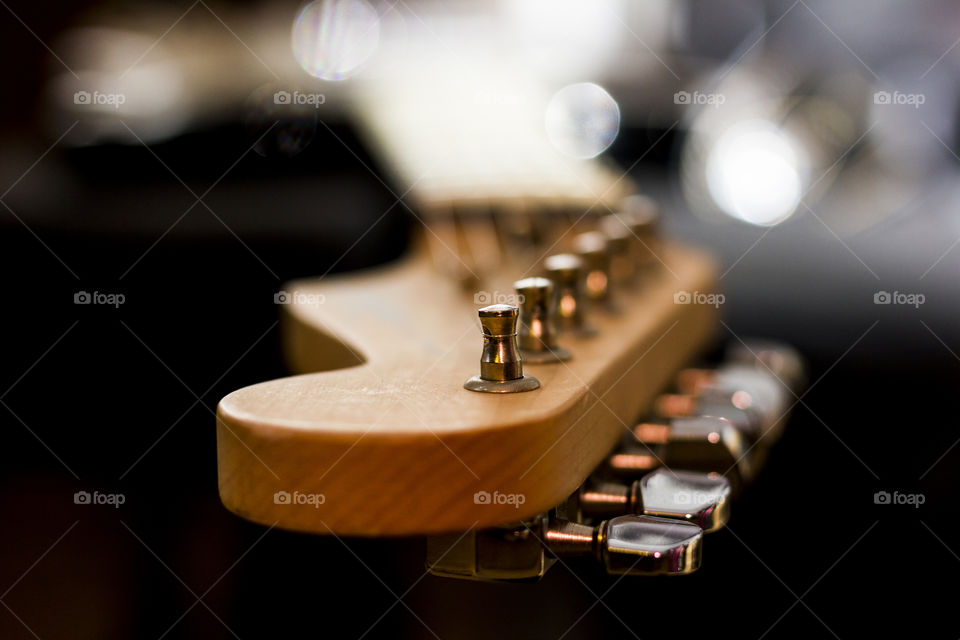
x: 565, y: 38
x: 582, y: 120
x: 755, y: 173
x: 115, y: 87
x: 333, y: 38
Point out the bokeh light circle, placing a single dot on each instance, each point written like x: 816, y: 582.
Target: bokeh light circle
x: 582, y: 120
x: 333, y: 38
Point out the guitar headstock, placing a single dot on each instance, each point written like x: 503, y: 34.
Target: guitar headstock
x: 585, y: 316
x: 380, y: 424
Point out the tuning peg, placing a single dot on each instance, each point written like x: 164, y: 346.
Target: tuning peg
x: 634, y: 545
x: 620, y: 240
x: 704, y: 443
x: 631, y: 545
x: 593, y: 249
x: 501, y: 368
x: 700, y: 498
x: 742, y: 385
x: 537, y: 338
x: 642, y: 215
x: 678, y: 405
x: 566, y: 272
x: 780, y: 359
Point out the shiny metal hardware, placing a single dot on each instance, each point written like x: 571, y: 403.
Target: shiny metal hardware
x: 747, y: 421
x: 566, y: 272
x: 705, y: 443
x: 623, y: 257
x: 700, y: 498
x: 633, y: 545
x: 593, y: 248
x: 513, y: 552
x: 501, y: 367
x: 537, y: 336
x: 642, y: 216
x: 782, y: 360
x: 743, y: 386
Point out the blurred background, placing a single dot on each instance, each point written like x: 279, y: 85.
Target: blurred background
x: 177, y: 163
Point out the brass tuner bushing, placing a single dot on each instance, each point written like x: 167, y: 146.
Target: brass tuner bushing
x: 501, y: 367
x: 566, y: 272
x: 537, y: 337
x: 594, y: 249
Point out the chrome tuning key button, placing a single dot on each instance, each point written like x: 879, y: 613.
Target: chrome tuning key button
x: 700, y: 498
x: 566, y: 272
x: 705, y: 443
x: 677, y: 405
x: 745, y: 387
x: 631, y: 545
x: 537, y: 336
x: 501, y: 367
x: 782, y: 360
x: 594, y: 248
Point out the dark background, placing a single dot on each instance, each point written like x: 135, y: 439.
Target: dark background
x: 121, y: 401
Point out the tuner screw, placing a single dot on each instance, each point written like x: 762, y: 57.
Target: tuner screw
x: 501, y: 368
x: 537, y: 338
x: 566, y: 271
